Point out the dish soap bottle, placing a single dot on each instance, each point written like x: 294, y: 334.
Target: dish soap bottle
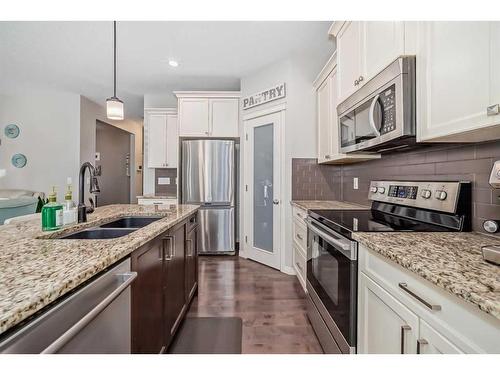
x: 70, y: 213
x: 52, y: 213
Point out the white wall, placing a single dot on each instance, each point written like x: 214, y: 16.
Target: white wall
x: 49, y: 122
x: 298, y: 72
x: 89, y: 113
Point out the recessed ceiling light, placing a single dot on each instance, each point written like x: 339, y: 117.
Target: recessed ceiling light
x: 173, y: 63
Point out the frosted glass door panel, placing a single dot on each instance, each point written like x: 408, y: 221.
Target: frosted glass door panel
x: 263, y: 187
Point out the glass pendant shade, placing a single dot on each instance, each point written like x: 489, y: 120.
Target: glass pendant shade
x: 114, y: 108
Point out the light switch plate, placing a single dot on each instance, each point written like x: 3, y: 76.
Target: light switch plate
x: 163, y: 181
x: 355, y: 185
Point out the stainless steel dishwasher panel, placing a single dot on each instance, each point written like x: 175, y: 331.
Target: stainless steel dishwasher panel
x: 94, y: 319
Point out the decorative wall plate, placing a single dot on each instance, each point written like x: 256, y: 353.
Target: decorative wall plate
x: 11, y: 131
x: 19, y: 160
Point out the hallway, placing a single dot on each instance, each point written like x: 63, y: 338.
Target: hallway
x: 271, y: 304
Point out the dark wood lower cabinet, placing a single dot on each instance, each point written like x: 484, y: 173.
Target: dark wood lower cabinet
x: 174, y: 301
x: 166, y: 282
x: 147, y: 308
x: 191, y: 259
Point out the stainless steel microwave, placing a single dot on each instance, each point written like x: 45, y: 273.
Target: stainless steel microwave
x: 380, y: 116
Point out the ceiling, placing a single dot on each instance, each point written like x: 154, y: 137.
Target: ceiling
x: 77, y: 56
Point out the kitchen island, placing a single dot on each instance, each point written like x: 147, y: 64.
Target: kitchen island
x: 37, y: 269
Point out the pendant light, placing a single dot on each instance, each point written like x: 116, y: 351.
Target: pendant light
x: 114, y: 106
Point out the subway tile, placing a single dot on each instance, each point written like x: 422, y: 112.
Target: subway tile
x: 464, y: 166
x: 488, y: 150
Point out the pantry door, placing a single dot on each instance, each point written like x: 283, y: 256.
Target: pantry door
x: 262, y: 189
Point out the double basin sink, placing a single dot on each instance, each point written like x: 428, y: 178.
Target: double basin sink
x: 114, y: 229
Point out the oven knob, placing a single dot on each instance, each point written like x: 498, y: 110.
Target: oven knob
x: 426, y: 194
x: 441, y: 195
x: 381, y: 190
x: 373, y: 189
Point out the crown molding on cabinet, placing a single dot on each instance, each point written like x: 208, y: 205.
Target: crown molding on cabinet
x: 336, y: 27
x: 207, y: 94
x: 169, y: 111
x: 326, y: 70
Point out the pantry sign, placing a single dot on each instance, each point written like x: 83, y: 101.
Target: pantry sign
x: 266, y: 96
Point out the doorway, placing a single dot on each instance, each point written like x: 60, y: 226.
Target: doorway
x: 115, y: 155
x: 262, y: 166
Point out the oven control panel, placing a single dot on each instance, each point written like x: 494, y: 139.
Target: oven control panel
x: 433, y: 195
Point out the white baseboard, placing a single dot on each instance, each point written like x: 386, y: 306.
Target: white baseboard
x: 288, y: 270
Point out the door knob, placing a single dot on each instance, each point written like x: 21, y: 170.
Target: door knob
x: 276, y: 201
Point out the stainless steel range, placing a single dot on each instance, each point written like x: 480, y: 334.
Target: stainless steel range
x: 332, y: 269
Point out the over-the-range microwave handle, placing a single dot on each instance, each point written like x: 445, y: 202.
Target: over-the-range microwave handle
x: 371, y: 115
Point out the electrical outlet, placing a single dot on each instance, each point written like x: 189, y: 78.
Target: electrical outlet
x: 163, y: 181
x: 355, y: 183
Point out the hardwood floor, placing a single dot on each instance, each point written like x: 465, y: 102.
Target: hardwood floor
x: 271, y: 304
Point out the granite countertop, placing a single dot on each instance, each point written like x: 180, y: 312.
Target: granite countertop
x: 328, y: 205
x: 36, y: 269
x: 452, y: 261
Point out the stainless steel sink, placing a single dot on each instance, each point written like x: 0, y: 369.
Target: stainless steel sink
x: 131, y: 222
x: 98, y: 234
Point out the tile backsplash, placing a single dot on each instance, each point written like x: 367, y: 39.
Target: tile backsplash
x: 168, y: 189
x: 472, y: 162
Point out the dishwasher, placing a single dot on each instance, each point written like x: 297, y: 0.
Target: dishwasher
x: 95, y: 319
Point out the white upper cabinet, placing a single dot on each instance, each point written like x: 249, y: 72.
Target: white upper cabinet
x: 349, y: 62
x: 382, y: 43
x: 224, y: 117
x: 454, y: 80
x: 325, y: 125
x: 162, y: 139
x: 193, y: 117
x: 208, y: 114
x: 365, y: 48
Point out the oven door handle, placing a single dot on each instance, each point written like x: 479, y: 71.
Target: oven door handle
x: 372, y: 115
x: 345, y: 248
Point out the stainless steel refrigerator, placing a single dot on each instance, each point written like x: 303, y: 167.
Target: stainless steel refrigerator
x: 208, y: 178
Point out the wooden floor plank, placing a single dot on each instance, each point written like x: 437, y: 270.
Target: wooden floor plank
x: 271, y: 304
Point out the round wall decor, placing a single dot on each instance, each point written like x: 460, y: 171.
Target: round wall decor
x: 19, y: 160
x: 11, y: 131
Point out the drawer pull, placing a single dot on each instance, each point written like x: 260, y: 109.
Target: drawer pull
x: 299, y: 236
x: 404, y: 328
x: 430, y: 306
x: 299, y: 215
x: 421, y: 342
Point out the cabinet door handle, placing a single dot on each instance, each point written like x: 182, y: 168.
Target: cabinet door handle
x: 430, y: 306
x: 299, y: 215
x: 356, y: 82
x: 190, y: 247
x: 171, y: 249
x: 327, y: 156
x: 299, y: 236
x: 404, y: 328
x: 493, y: 110
x: 421, y: 342
x: 360, y: 79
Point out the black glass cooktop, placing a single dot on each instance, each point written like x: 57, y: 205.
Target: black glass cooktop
x: 346, y: 221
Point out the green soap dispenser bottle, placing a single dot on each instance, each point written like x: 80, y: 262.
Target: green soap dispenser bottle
x: 52, y: 213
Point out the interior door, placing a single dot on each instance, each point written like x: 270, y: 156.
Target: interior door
x: 114, y: 147
x: 262, y: 189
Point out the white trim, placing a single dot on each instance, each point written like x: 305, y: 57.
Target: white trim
x: 334, y: 30
x: 327, y: 69
x: 207, y: 94
x: 288, y: 270
x: 264, y: 112
x: 166, y: 110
